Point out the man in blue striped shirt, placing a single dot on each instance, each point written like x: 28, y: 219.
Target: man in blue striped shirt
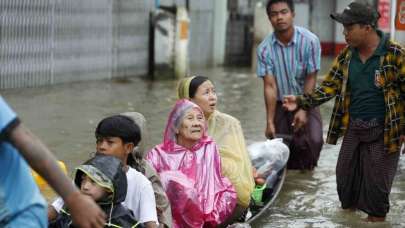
x: 288, y: 61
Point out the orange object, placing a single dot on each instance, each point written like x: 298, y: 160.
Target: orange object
x: 400, y: 15
x: 384, y: 9
x: 42, y: 184
x: 260, y: 181
x: 184, y: 30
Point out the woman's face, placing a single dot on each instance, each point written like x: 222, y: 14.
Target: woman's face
x: 191, y: 128
x: 206, y: 98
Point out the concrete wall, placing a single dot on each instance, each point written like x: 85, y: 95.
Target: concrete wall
x: 82, y: 38
x: 130, y: 37
x: 400, y: 37
x: 302, y: 14
x: 322, y: 25
x: 239, y: 33
x: 26, y: 43
x: 219, y: 31
x: 261, y: 28
x: 201, y: 32
x: 201, y: 40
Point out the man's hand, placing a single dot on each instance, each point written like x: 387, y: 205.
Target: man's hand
x: 150, y: 224
x: 270, y: 130
x: 290, y: 103
x: 52, y: 213
x: 300, y: 119
x: 84, y: 211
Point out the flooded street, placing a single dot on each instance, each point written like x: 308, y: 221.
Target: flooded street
x: 65, y: 117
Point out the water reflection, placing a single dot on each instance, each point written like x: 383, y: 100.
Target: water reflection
x: 65, y: 117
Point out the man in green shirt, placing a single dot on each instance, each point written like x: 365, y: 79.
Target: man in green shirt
x: 368, y: 80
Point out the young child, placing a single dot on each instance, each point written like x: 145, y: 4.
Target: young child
x: 103, y: 179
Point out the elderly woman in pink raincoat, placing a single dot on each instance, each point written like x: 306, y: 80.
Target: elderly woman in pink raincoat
x: 189, y: 166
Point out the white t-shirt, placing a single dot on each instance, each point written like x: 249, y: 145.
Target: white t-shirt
x: 140, y: 197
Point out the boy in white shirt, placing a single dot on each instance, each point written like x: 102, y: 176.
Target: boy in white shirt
x: 117, y: 136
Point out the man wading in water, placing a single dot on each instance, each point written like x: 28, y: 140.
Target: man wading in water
x: 288, y: 61
x: 368, y: 80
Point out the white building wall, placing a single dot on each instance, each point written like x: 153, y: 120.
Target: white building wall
x: 339, y: 38
x: 302, y: 14
x: 220, y: 18
x: 400, y: 37
x: 322, y: 25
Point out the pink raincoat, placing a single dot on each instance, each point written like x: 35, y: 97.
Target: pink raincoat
x: 199, y: 195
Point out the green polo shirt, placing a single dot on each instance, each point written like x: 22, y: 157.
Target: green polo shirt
x: 367, y: 98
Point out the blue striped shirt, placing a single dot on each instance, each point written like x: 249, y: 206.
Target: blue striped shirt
x: 290, y: 63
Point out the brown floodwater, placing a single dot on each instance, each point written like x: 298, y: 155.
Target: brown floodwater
x: 65, y: 116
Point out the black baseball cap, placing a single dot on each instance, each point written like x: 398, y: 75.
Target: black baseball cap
x: 357, y: 13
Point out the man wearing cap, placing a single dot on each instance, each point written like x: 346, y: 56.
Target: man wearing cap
x: 368, y: 80
x: 288, y: 62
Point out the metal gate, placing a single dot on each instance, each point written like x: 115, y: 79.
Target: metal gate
x: 26, y: 43
x: 44, y: 42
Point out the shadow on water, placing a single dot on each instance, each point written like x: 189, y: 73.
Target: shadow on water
x: 65, y: 117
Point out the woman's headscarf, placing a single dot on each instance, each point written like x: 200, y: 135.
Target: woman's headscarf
x: 187, y: 87
x: 227, y: 133
x: 192, y: 177
x: 174, y: 122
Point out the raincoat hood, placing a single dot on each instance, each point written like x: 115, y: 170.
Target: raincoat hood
x: 227, y: 132
x: 198, y: 193
x: 173, y: 123
x: 107, y: 171
x: 183, y: 88
x: 140, y: 120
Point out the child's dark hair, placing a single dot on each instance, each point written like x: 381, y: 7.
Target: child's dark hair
x: 119, y: 126
x: 290, y: 4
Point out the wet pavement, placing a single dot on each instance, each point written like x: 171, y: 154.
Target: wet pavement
x: 65, y: 116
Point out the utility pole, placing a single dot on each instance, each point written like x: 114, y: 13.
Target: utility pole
x: 393, y: 15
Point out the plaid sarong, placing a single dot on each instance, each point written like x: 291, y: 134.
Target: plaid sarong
x: 364, y: 172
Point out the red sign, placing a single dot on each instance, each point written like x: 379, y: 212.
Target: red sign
x: 400, y: 16
x: 384, y: 10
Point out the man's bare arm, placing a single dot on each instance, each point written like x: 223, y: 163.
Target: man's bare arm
x: 41, y: 160
x: 270, y: 98
x: 85, y: 213
x: 310, y: 82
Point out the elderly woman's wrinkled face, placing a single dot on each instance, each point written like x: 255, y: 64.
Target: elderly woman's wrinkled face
x: 206, y: 98
x: 191, y: 127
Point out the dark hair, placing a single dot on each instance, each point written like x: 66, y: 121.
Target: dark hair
x: 119, y: 126
x: 290, y: 4
x: 194, y: 84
